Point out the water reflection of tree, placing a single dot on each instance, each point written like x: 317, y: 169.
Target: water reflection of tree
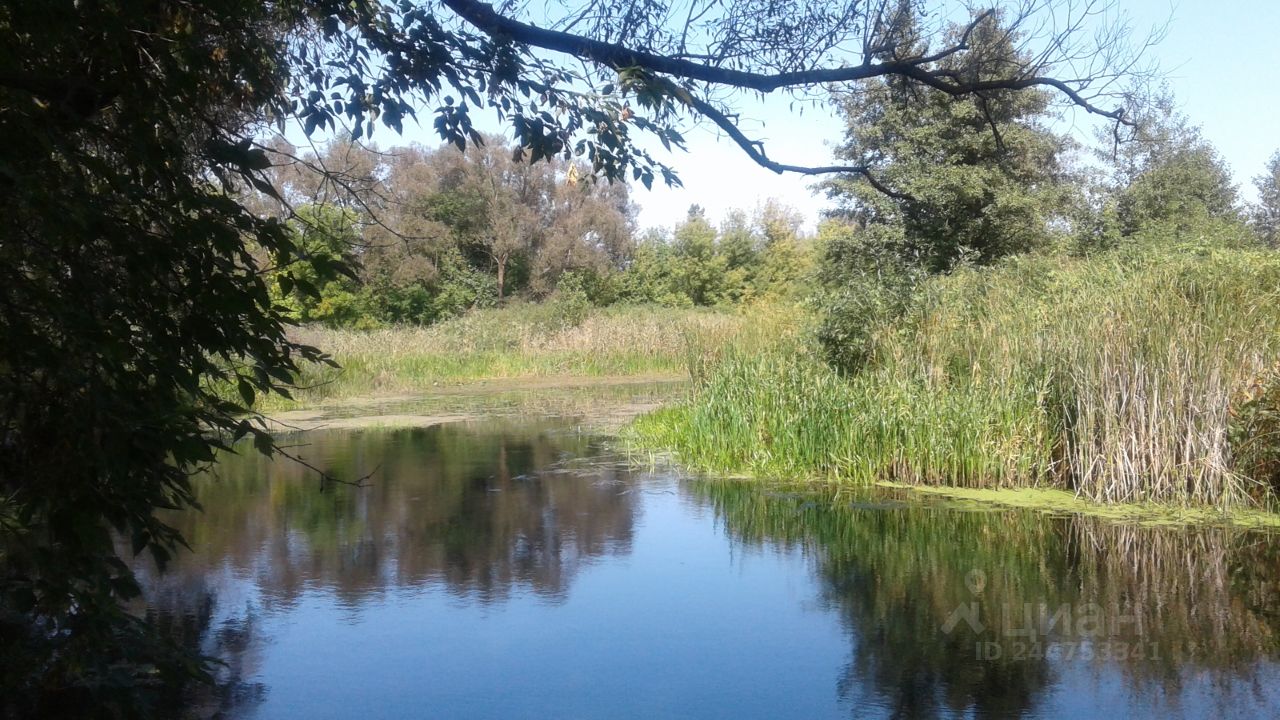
x: 478, y: 509
x: 1197, y: 602
x: 186, y: 610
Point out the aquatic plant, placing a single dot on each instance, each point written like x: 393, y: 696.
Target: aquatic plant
x: 1124, y: 377
x: 518, y: 341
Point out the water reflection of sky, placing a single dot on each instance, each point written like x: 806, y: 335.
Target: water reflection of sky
x: 497, y: 570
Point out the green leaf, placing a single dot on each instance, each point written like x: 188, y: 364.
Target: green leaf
x: 246, y: 391
x: 262, y: 442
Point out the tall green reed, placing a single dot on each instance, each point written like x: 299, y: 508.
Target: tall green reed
x: 1116, y: 376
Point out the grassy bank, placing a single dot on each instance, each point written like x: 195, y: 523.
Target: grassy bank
x: 1124, y: 378
x: 518, y: 341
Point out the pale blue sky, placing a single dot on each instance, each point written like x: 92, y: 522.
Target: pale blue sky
x: 1220, y: 58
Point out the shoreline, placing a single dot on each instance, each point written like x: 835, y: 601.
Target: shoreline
x: 1056, y: 501
x: 605, y: 403
x: 608, y: 412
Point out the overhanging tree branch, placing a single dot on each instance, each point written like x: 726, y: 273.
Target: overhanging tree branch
x: 485, y: 18
x: 922, y: 67
x: 754, y: 150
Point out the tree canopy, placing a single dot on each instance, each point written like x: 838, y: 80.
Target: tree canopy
x: 1266, y: 216
x: 130, y: 294
x: 979, y: 177
x: 1170, y: 175
x: 436, y: 232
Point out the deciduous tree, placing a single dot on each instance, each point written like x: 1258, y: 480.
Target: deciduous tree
x: 980, y: 177
x: 1266, y: 214
x: 1169, y: 175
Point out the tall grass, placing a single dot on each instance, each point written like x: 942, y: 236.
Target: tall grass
x: 1152, y: 390
x: 518, y: 341
x: 1118, y: 376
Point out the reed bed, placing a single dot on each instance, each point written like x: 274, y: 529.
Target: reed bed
x: 1120, y: 377
x: 518, y: 341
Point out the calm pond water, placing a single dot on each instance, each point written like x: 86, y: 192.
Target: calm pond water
x: 516, y: 568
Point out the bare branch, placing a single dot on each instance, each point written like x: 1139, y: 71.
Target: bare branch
x: 754, y: 150
x: 617, y: 57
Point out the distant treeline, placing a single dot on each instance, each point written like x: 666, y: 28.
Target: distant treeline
x: 433, y: 233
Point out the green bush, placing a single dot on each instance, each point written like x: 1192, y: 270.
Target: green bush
x: 866, y: 286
